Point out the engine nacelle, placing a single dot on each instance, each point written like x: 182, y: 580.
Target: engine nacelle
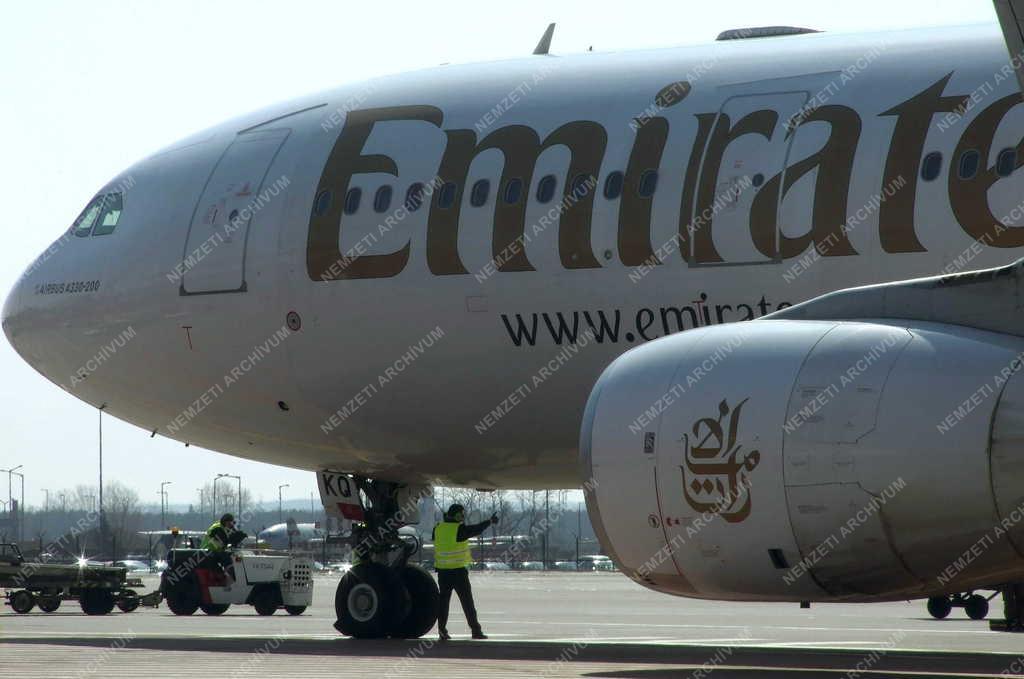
x: 811, y: 461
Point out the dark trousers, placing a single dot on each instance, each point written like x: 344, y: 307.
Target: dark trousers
x: 457, y: 579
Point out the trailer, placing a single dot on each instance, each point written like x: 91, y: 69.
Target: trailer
x: 98, y: 589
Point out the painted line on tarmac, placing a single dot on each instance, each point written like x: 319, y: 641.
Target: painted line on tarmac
x: 892, y: 630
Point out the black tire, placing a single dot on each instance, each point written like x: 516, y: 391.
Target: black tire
x: 23, y: 601
x: 976, y: 607
x: 424, y: 597
x: 295, y: 610
x: 48, y: 604
x: 96, y: 601
x: 266, y: 601
x: 128, y: 601
x: 367, y: 601
x: 214, y: 609
x: 182, y: 597
x: 939, y: 607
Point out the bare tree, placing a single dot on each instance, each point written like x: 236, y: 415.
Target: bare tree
x: 121, y: 506
x: 226, y: 496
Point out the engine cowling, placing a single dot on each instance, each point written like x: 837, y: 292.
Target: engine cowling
x: 811, y: 461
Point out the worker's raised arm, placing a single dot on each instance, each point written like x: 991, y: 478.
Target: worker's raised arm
x: 472, y: 530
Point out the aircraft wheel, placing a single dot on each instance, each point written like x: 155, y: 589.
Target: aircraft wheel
x: 48, y: 604
x: 424, y: 598
x: 23, y: 601
x: 295, y: 610
x: 976, y: 607
x: 939, y: 607
x: 96, y: 601
x: 367, y: 601
x: 215, y: 609
x: 128, y: 601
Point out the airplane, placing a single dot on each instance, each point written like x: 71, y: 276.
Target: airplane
x: 286, y: 535
x: 528, y: 274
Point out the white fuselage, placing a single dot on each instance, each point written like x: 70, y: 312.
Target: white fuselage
x: 411, y: 362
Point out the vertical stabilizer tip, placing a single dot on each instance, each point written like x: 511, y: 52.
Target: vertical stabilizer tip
x: 544, y: 46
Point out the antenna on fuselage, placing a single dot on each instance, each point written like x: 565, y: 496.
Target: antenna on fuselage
x: 544, y: 46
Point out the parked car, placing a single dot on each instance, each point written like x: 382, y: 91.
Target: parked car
x: 531, y: 566
x: 595, y: 562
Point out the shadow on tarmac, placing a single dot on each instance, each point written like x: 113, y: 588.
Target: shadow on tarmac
x: 726, y: 662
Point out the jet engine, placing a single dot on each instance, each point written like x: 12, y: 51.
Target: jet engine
x: 811, y: 460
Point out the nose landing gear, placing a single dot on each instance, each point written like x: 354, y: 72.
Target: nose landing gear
x: 383, y: 595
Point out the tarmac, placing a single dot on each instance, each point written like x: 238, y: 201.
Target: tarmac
x: 540, y: 625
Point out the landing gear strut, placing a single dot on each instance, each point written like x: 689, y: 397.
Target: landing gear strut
x: 1013, y: 610
x: 383, y: 595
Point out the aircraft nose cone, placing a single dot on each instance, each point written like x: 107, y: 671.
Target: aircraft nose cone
x: 9, y: 316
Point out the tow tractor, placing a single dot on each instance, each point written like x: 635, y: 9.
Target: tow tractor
x: 98, y: 589
x: 196, y: 579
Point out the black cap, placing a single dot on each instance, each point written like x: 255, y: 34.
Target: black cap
x: 227, y: 517
x: 455, y: 508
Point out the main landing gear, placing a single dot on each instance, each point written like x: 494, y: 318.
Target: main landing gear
x: 384, y: 595
x: 974, y: 605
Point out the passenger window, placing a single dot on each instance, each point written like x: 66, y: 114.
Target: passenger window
x: 446, y: 196
x: 414, y: 197
x: 931, y: 166
x: 478, y: 196
x: 613, y: 185
x: 1006, y: 162
x: 83, y: 225
x: 382, y: 201
x: 648, y: 183
x: 112, y: 205
x: 969, y: 164
x: 513, y: 190
x: 322, y: 203
x: 581, y: 185
x: 352, y: 199
x: 546, y: 188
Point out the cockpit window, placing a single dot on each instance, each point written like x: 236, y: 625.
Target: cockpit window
x: 99, y: 217
x: 83, y: 225
x: 112, y: 205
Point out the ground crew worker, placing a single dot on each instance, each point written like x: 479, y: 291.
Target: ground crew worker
x: 451, y: 560
x: 219, y: 536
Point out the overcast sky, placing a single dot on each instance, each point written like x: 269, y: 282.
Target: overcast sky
x: 88, y: 88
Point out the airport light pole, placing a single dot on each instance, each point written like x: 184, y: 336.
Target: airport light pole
x: 63, y: 502
x: 239, y: 479
x: 10, y: 482
x: 202, y: 500
x: 163, y: 504
x: 11, y: 473
x: 46, y: 504
x: 103, y: 519
x: 280, y: 510
x: 21, y: 510
x: 215, y: 495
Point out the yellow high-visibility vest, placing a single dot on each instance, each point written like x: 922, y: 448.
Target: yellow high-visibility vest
x: 210, y: 542
x: 449, y: 553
